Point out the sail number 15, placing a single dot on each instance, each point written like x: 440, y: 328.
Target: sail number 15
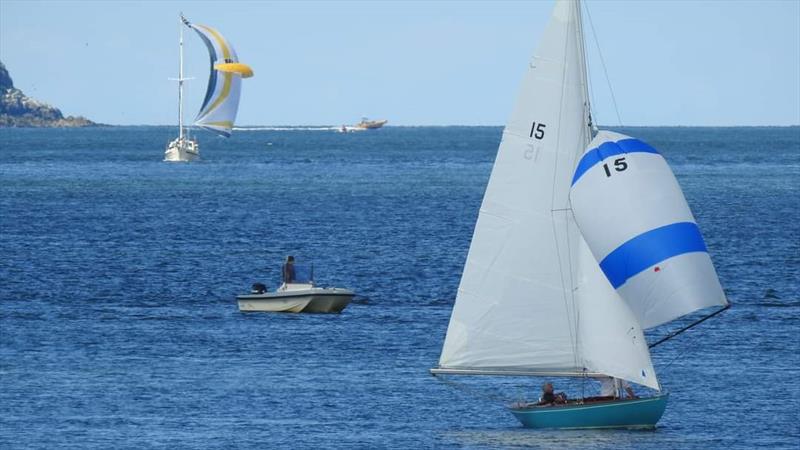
x: 537, y: 130
x: 619, y: 166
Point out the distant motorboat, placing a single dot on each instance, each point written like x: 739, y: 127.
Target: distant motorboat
x: 222, y: 95
x: 300, y: 295
x: 367, y: 124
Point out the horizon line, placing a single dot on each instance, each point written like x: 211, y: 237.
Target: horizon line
x: 443, y: 126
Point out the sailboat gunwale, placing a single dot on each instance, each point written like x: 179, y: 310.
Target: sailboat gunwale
x: 630, y: 413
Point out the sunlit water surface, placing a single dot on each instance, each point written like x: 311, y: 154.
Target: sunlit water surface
x: 119, y: 327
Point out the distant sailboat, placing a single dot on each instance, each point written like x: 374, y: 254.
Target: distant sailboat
x: 221, y: 102
x: 580, y: 244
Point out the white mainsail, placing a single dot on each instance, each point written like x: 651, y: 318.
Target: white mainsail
x: 635, y: 219
x: 532, y: 299
x: 515, y: 307
x: 221, y: 102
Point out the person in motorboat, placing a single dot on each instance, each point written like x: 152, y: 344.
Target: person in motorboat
x: 258, y: 288
x: 288, y: 270
x: 550, y: 398
x: 610, y: 388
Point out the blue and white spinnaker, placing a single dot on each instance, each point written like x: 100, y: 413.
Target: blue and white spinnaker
x: 635, y: 220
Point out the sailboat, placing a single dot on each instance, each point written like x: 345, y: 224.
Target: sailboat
x: 218, y: 112
x: 583, y: 241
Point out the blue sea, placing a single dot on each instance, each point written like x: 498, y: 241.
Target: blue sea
x: 118, y: 274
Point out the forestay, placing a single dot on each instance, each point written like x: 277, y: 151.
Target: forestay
x: 632, y: 213
x: 221, y: 102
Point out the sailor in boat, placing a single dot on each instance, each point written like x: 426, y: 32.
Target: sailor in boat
x: 288, y: 270
x: 550, y: 398
x: 258, y: 288
x: 611, y: 387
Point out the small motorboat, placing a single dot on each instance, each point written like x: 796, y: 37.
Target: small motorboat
x: 635, y: 413
x: 299, y: 295
x: 367, y: 124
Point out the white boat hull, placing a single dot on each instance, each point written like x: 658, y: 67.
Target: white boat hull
x: 185, y: 150
x: 371, y: 124
x: 315, y: 300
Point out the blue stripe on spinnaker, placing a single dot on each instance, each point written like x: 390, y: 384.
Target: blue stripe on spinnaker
x: 212, y: 77
x: 219, y: 131
x: 608, y: 149
x: 651, y: 248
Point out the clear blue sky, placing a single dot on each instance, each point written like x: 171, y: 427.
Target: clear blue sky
x: 414, y: 63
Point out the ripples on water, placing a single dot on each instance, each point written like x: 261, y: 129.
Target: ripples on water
x: 119, y: 325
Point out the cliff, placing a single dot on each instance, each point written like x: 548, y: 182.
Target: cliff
x: 19, y: 110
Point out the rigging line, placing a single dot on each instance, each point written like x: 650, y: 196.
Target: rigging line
x: 684, y: 349
x: 572, y: 331
x: 691, y: 325
x: 585, y: 74
x: 569, y: 213
x: 592, y: 114
x: 678, y: 354
x: 603, y: 64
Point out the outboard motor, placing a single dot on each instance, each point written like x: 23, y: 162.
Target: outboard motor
x: 258, y: 288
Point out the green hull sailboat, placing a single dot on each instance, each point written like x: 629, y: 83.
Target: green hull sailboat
x: 583, y: 241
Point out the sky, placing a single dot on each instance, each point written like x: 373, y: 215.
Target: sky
x: 694, y: 63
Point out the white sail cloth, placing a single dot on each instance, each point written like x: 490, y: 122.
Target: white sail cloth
x: 612, y: 341
x: 530, y: 299
x: 632, y: 213
x: 514, y: 307
x: 221, y: 102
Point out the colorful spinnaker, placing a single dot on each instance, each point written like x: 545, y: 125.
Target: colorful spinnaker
x: 221, y: 102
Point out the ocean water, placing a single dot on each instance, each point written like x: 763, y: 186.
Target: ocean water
x: 119, y: 327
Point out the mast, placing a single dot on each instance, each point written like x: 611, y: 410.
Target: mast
x: 584, y: 70
x: 180, y: 82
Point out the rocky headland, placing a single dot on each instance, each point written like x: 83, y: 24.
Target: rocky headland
x: 19, y: 110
